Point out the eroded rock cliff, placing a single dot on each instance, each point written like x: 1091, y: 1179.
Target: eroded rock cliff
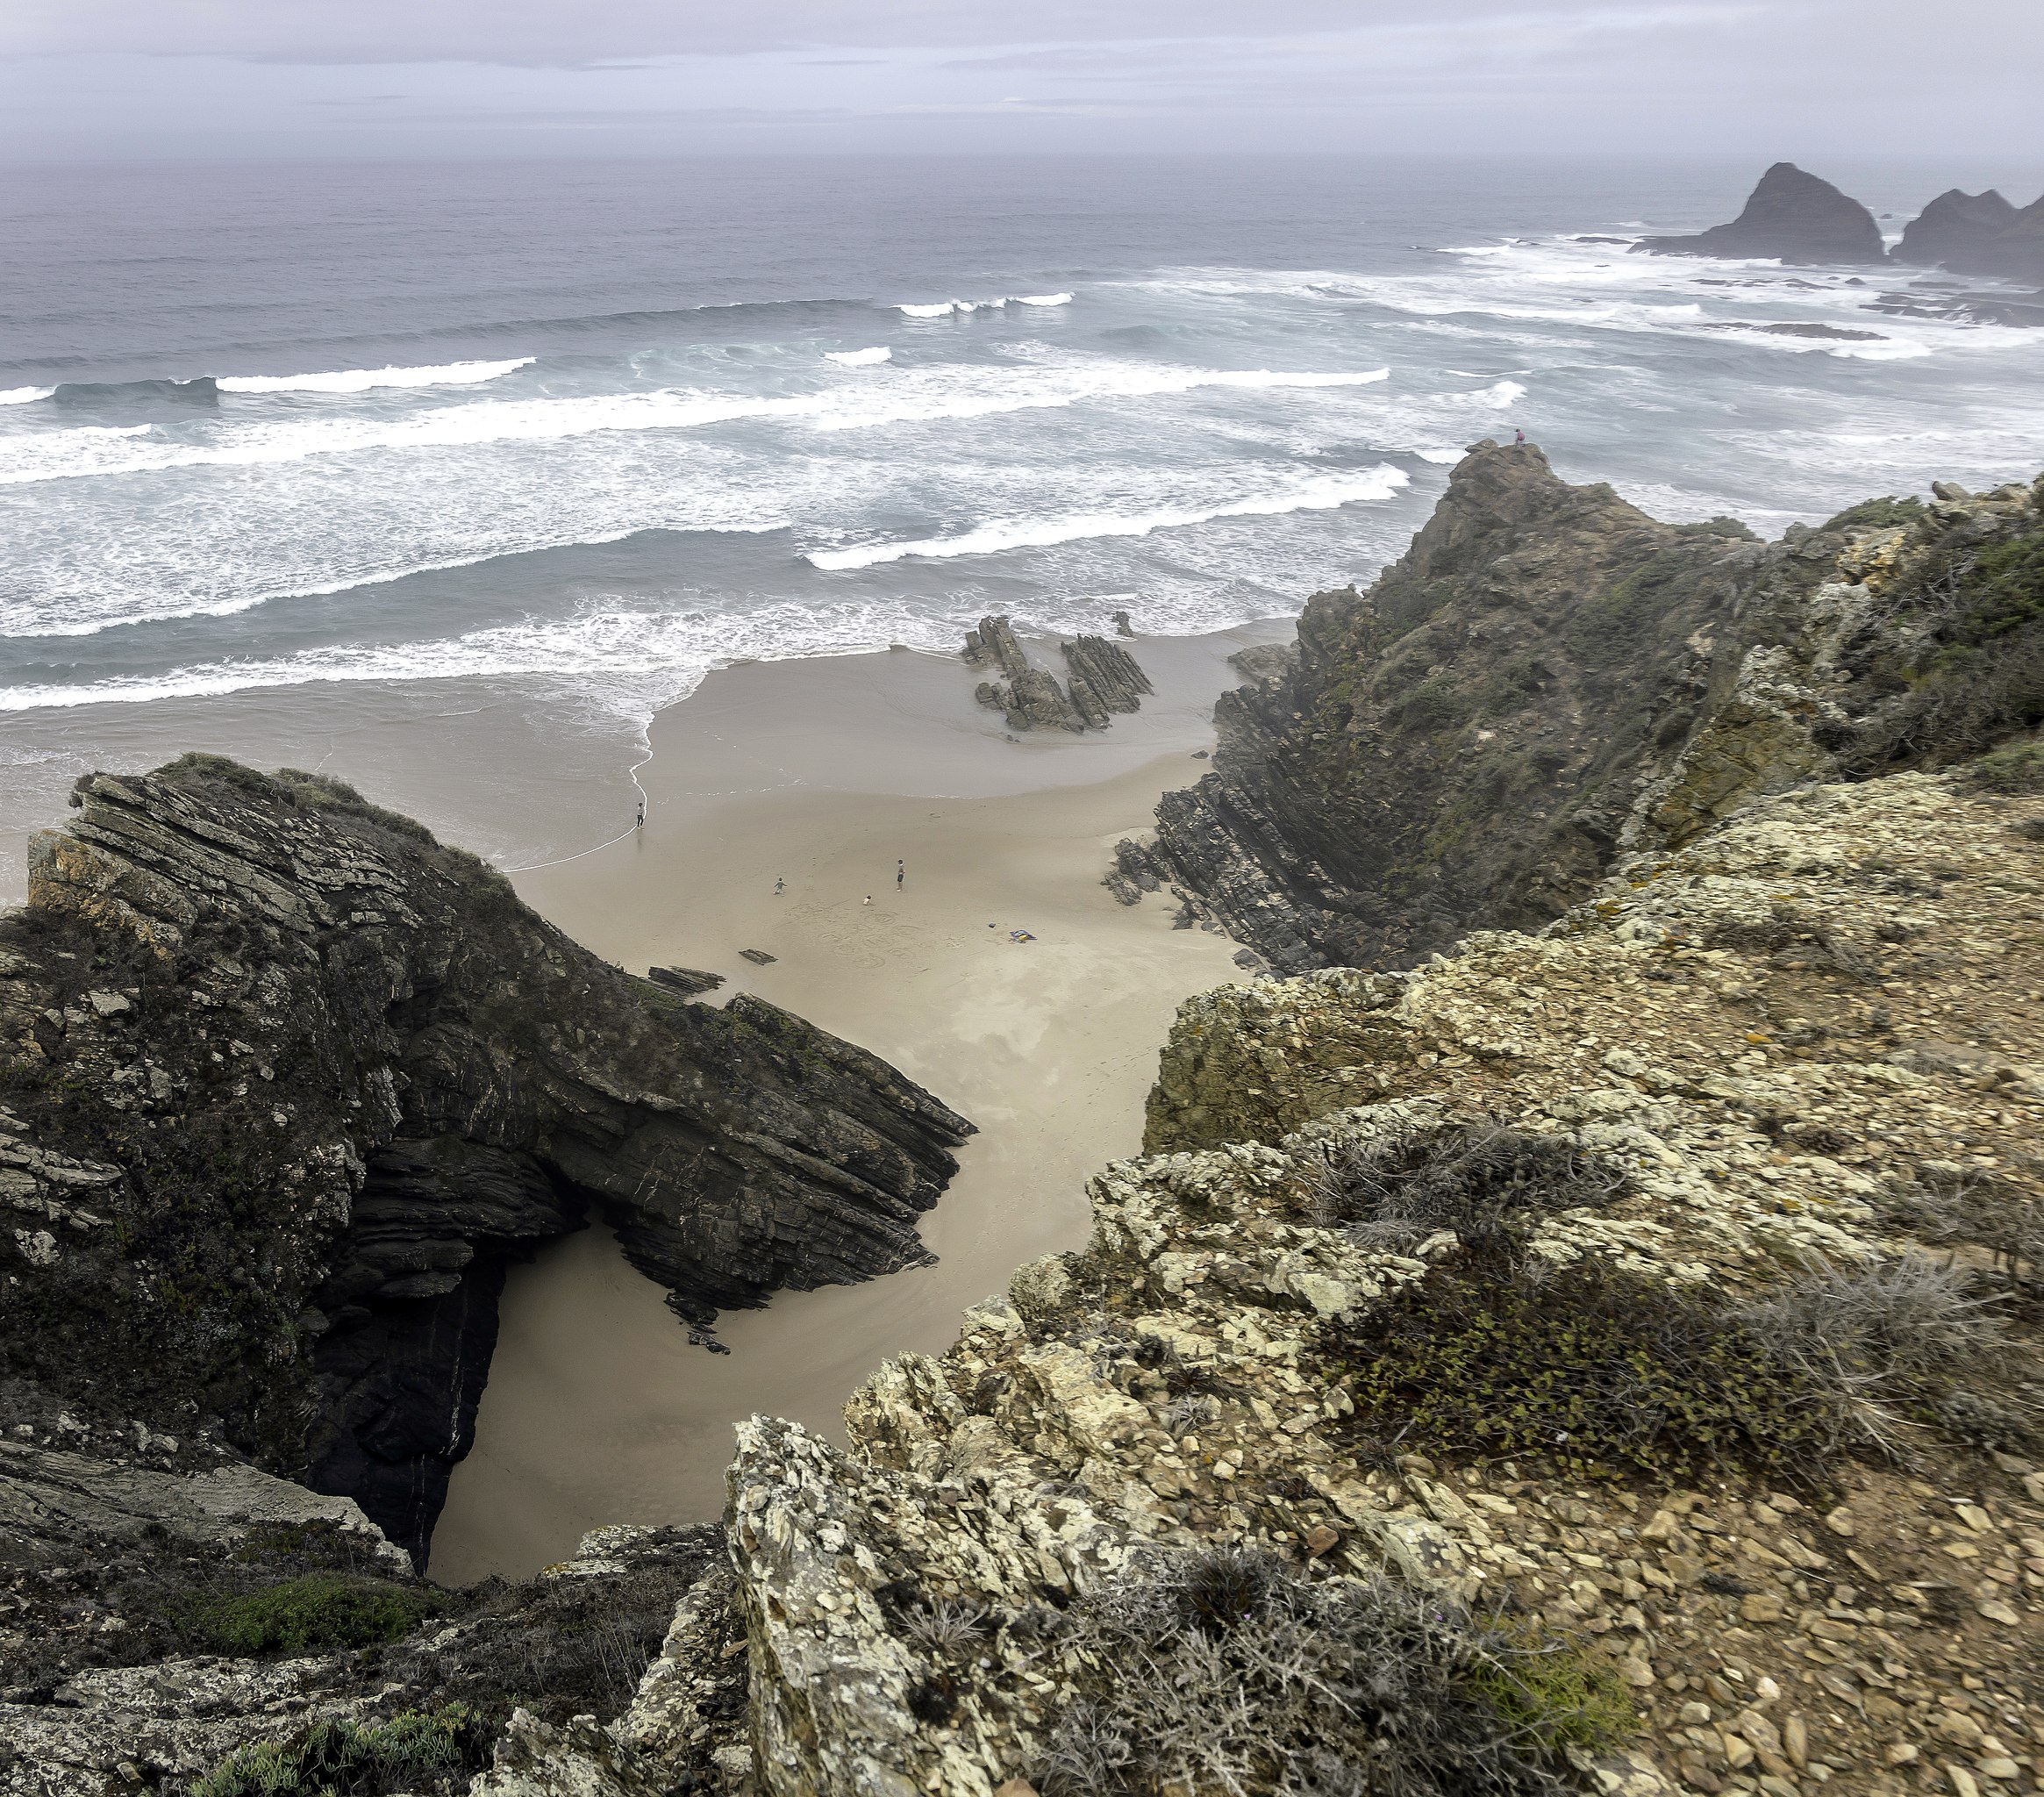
x: 1548, y: 676
x: 288, y: 1082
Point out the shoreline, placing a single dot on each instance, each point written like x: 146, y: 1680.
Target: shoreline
x: 822, y: 774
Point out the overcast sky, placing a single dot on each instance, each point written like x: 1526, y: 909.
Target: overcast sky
x: 96, y: 79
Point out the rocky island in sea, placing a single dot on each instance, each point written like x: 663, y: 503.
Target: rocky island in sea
x: 1797, y: 218
x: 1572, y: 1325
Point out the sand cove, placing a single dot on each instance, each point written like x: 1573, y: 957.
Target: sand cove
x: 823, y: 775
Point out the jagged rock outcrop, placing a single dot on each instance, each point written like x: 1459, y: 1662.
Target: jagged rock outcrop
x: 1030, y: 696
x: 1103, y: 676
x: 689, y: 982
x: 119, y: 1668
x: 1792, y: 215
x: 1976, y: 234
x: 1548, y: 675
x: 288, y: 1083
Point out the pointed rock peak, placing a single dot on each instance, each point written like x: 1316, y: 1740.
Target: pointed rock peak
x: 1791, y: 215
x: 1960, y: 231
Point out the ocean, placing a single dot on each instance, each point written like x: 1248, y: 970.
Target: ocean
x: 311, y: 461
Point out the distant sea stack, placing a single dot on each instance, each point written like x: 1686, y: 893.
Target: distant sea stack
x: 1976, y: 234
x: 1953, y: 226
x: 1791, y: 215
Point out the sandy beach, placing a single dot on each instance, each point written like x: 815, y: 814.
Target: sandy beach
x: 824, y: 774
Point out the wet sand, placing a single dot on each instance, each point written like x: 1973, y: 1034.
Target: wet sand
x: 822, y: 774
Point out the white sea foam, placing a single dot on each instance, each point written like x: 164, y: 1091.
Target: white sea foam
x: 453, y: 374
x: 667, y: 652
x: 1318, y: 492
x: 932, y: 396
x: 22, y: 396
x: 858, y: 358
x: 947, y: 308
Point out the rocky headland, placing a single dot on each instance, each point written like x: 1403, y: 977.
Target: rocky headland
x: 289, y: 1084
x: 1549, y: 677
x: 1576, y: 1331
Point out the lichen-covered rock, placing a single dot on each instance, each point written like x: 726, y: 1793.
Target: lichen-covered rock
x: 288, y: 1083
x: 580, y: 1759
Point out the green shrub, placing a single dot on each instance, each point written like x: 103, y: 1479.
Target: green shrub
x: 1594, y: 1366
x: 2006, y: 588
x: 1878, y: 514
x: 321, y: 1613
x: 2018, y: 769
x: 1559, y: 1696
x: 341, y: 1758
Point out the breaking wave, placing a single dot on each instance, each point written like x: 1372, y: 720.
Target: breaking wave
x: 933, y: 395
x: 1321, y: 493
x: 858, y: 358
x: 949, y: 308
x: 453, y: 374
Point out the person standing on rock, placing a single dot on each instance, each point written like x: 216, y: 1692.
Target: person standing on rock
x: 1519, y: 436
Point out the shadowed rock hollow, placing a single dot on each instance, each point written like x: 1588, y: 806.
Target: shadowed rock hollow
x: 289, y: 1084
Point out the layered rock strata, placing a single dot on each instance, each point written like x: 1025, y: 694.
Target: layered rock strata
x: 1102, y: 679
x: 1549, y: 675
x: 289, y: 1083
x: 1791, y: 214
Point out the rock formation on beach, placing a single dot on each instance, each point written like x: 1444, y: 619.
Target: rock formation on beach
x: 289, y: 1084
x: 1791, y: 215
x: 1602, y: 1359
x: 1102, y: 678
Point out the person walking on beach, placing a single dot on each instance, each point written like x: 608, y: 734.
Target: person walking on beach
x: 640, y: 825
x: 870, y: 898
x: 901, y: 873
x: 780, y: 885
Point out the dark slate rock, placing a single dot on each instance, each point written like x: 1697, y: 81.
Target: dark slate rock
x: 1791, y: 215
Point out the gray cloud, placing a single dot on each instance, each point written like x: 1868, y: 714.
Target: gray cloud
x: 1759, y: 78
